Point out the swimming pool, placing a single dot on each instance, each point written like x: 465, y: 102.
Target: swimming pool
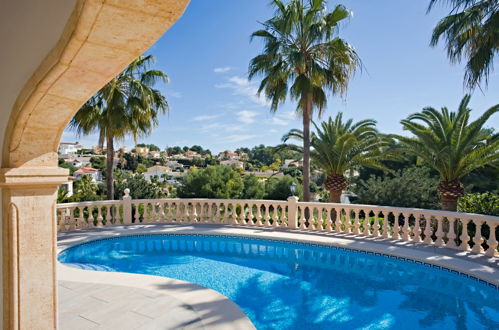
x: 286, y: 285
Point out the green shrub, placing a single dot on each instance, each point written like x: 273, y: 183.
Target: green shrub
x: 487, y: 203
x: 409, y: 187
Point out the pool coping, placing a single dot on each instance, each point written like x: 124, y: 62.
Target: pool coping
x: 223, y: 313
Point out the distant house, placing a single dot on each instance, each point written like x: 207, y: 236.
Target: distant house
x: 158, y: 171
x: 141, y: 150
x: 75, y: 162
x: 229, y: 155
x: 173, y: 164
x: 93, y: 172
x: 232, y: 162
x: 291, y: 162
x: 67, y: 187
x: 68, y: 148
x: 154, y: 154
x: 189, y: 154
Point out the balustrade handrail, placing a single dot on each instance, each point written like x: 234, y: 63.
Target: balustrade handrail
x: 455, y: 230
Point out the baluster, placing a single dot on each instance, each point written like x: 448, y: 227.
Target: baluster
x: 250, y: 214
x: 320, y: 220
x: 439, y: 234
x: 396, y: 227
x: 416, y: 238
x: 185, y: 215
x: 194, y: 214
x: 386, y: 225
x: 226, y: 213
x: 234, y: 214
x: 72, y: 219
x: 451, y: 234
x: 275, y: 217
x: 356, y: 223
x: 99, y: 217
x: 217, y: 217
x: 337, y: 222
x: 136, y: 216
x: 376, y: 225
x: 478, y: 239
x: 348, y: 221
x: 267, y: 215
x: 259, y: 219
x: 406, y: 229
x: 492, y: 241
x: 284, y: 219
x: 303, y: 220
x: 242, y: 215
x: 161, y: 211
x: 109, y: 215
x: 428, y: 230
x: 329, y: 220
x: 367, y: 224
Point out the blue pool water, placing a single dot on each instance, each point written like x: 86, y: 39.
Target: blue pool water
x: 284, y: 285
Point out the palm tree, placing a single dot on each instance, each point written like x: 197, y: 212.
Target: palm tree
x: 452, y: 145
x: 338, y: 146
x: 471, y: 31
x: 128, y: 104
x: 303, y: 56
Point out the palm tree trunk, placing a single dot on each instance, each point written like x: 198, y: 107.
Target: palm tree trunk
x: 448, y: 203
x: 335, y: 196
x: 306, y: 148
x: 109, y: 166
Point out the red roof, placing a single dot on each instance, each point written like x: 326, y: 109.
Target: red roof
x: 229, y: 154
x: 68, y: 143
x: 86, y: 170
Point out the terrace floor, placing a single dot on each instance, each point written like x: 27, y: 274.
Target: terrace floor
x: 106, y: 300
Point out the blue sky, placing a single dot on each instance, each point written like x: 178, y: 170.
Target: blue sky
x: 212, y: 104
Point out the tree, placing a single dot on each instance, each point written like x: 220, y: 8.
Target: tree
x: 212, y: 182
x: 98, y: 163
x: 128, y: 104
x: 84, y: 190
x: 471, y: 32
x: 303, y: 56
x: 253, y: 188
x: 410, y: 187
x: 338, y: 146
x: 140, y: 187
x: 280, y: 189
x: 452, y: 145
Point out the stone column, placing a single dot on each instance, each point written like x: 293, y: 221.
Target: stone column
x: 29, y: 246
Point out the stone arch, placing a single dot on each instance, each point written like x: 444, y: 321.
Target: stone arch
x: 100, y: 38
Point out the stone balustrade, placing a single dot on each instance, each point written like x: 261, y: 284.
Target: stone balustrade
x: 462, y: 231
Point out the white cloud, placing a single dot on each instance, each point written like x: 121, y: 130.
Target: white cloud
x: 222, y: 69
x: 239, y: 137
x: 211, y: 127
x: 283, y: 118
x: 279, y: 121
x: 174, y: 94
x: 242, y: 86
x: 247, y: 116
x: 205, y: 117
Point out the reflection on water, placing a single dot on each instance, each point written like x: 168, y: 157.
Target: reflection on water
x: 283, y: 285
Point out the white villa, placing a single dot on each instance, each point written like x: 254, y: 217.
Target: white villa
x: 157, y: 171
x: 232, y: 162
x: 69, y: 148
x: 93, y: 172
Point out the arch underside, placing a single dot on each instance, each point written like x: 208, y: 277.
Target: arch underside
x: 99, y: 40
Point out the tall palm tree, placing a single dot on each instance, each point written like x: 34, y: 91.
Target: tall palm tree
x: 338, y: 146
x: 303, y: 56
x: 452, y: 145
x: 471, y: 31
x: 128, y: 104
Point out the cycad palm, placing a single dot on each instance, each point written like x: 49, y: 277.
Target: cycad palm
x: 471, y: 31
x: 338, y: 146
x: 452, y: 145
x: 128, y: 104
x: 304, y: 57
